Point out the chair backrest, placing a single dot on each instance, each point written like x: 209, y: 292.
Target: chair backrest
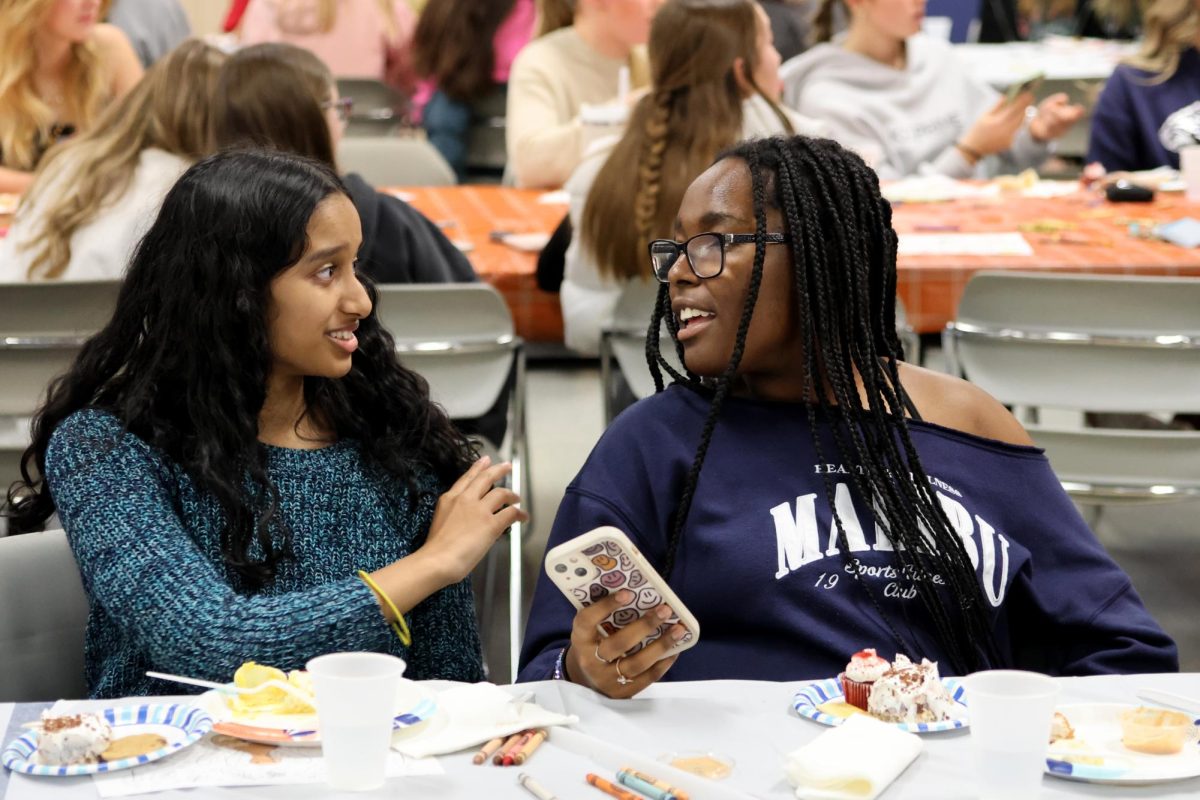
x: 395, y: 161
x: 625, y: 337
x: 486, y: 147
x: 458, y: 336
x: 378, y: 107
x: 55, y: 310
x: 44, y: 615
x: 1084, y: 342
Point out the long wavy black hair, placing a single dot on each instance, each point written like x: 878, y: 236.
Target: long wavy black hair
x: 184, y: 361
x: 844, y: 270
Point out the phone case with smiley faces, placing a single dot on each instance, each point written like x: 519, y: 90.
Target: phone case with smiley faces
x: 600, y: 562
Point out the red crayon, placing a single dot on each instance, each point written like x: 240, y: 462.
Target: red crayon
x: 511, y: 753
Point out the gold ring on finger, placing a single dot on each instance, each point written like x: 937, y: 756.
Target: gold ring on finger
x: 603, y: 659
x: 621, y: 679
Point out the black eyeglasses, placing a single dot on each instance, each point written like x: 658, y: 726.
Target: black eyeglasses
x: 705, y: 252
x: 343, y: 107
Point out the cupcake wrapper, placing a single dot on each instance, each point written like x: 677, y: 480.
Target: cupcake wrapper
x: 856, y: 692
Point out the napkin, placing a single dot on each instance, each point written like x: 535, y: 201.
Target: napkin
x: 858, y: 759
x: 472, y: 714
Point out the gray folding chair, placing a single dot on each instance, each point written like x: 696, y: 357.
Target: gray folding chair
x: 395, y: 161
x: 1090, y: 343
x: 378, y: 108
x: 42, y: 326
x: 460, y: 338
x: 45, y: 614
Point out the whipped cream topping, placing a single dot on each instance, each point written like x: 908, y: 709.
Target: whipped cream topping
x: 866, y: 666
x: 78, y: 739
x: 911, y: 693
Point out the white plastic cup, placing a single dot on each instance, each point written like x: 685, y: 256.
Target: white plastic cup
x: 356, y: 703
x: 1189, y: 171
x: 1011, y: 712
x: 938, y: 27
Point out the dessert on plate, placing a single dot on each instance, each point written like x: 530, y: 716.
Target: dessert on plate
x: 864, y: 669
x: 73, y: 739
x: 1060, y: 728
x: 910, y: 692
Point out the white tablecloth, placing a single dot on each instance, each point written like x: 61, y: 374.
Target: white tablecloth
x: 752, y: 722
x: 1060, y: 59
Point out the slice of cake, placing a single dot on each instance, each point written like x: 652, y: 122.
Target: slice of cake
x: 77, y: 739
x: 910, y: 692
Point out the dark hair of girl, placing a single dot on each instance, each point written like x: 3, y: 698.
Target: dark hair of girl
x: 184, y: 361
x: 453, y: 45
x: 844, y: 268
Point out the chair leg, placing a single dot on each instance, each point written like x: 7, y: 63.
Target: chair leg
x: 516, y: 539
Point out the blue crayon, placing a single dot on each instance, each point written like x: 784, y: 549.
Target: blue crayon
x: 639, y: 785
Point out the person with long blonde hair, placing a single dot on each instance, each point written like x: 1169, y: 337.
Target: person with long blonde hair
x: 355, y: 38
x: 59, y: 68
x: 1150, y: 107
x: 714, y: 80
x: 94, y: 196
x: 909, y: 104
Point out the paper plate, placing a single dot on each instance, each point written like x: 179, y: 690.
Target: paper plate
x: 1096, y: 755
x: 415, y: 705
x: 179, y: 725
x: 811, y: 697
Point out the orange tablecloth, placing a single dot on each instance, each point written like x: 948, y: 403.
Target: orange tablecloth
x: 475, y: 212
x: 1097, y: 239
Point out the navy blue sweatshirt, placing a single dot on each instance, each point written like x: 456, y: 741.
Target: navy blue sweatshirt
x: 777, y: 600
x: 1142, y: 125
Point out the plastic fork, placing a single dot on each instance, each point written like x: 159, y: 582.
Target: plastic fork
x: 274, y: 683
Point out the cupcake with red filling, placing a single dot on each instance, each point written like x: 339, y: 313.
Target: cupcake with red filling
x: 864, y: 669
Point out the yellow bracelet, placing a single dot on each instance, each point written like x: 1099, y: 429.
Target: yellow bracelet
x: 398, y: 624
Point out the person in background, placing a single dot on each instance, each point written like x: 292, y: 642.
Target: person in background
x: 552, y: 15
x: 154, y: 27
x: 355, y: 38
x: 59, y: 69
x: 1150, y: 107
x: 715, y: 74
x: 907, y: 103
x: 244, y: 469
x: 791, y: 24
x: 94, y: 196
x: 807, y: 494
x: 554, y: 76
x: 282, y: 96
x: 464, y: 50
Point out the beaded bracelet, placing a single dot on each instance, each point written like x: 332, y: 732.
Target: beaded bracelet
x: 560, y: 665
x: 398, y: 624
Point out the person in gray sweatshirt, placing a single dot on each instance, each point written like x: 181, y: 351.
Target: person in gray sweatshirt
x: 909, y: 105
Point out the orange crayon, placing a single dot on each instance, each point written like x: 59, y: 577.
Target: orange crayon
x: 608, y: 788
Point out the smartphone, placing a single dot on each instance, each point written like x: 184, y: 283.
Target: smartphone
x: 1030, y: 84
x: 590, y: 567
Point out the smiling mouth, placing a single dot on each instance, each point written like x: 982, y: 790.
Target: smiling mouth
x: 344, y: 339
x: 692, y: 321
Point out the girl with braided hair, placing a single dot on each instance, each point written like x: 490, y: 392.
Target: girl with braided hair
x: 805, y: 492
x: 715, y: 77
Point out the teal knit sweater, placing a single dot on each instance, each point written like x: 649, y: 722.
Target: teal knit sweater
x: 147, y: 541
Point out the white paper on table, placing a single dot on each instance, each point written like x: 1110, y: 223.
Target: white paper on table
x: 474, y: 714
x: 559, y: 197
x: 858, y: 759
x: 935, y: 188
x: 224, y: 761
x: 963, y: 244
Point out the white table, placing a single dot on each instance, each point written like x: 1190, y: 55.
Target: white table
x: 1061, y: 59
x: 750, y: 721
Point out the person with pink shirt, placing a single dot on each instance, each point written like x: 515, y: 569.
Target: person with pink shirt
x: 355, y: 38
x: 463, y: 51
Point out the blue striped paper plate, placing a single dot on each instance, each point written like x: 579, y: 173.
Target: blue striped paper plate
x: 179, y: 725
x: 811, y: 696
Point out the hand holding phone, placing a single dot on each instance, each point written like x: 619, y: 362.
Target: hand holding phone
x: 628, y: 615
x: 1030, y: 84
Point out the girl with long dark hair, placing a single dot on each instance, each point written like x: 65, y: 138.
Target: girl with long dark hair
x: 807, y: 493
x: 244, y: 469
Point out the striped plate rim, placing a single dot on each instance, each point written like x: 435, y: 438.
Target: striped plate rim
x: 811, y: 695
